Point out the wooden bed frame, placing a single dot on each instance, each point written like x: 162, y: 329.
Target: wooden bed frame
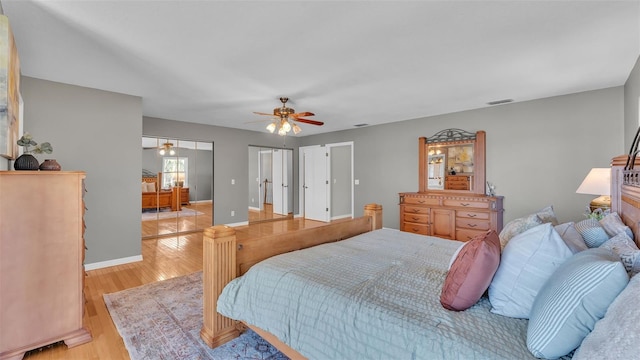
x: 160, y: 199
x: 625, y: 194
x: 225, y: 258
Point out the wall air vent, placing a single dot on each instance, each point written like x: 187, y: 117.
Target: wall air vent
x: 361, y: 125
x: 498, y: 102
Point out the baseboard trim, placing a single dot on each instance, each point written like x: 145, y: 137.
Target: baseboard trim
x: 341, y: 217
x: 114, y: 262
x: 243, y: 223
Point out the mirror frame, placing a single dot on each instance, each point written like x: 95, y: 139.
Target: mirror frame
x: 454, y: 137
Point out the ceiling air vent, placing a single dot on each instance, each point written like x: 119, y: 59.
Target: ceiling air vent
x: 498, y: 102
x: 361, y: 125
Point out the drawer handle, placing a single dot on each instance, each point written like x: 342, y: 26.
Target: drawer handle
x: 421, y: 201
x: 471, y: 225
x: 415, y: 230
x: 415, y: 218
x: 472, y: 215
x: 416, y: 210
x: 465, y: 204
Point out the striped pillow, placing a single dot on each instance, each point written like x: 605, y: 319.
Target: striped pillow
x: 572, y: 300
x: 592, y: 232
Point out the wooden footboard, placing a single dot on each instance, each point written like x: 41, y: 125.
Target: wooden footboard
x: 226, y: 258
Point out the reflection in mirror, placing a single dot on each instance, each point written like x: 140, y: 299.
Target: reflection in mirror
x: 453, y: 160
x: 270, y: 184
x: 183, y: 197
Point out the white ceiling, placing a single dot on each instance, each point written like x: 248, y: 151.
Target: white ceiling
x: 349, y: 62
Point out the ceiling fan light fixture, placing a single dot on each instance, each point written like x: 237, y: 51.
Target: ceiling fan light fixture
x: 271, y: 127
x: 281, y: 132
x: 285, y: 125
x: 166, y: 148
x: 296, y: 129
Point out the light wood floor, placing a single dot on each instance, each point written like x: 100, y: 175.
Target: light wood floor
x: 163, y: 258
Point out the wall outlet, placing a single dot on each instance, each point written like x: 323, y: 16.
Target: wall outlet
x: 233, y: 181
x: 357, y: 181
x: 233, y: 213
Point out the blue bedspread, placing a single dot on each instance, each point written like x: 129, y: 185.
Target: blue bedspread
x: 374, y: 296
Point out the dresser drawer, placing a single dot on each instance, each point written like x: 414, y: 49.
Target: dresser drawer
x: 416, y: 210
x: 421, y: 201
x: 415, y: 218
x: 415, y: 228
x: 472, y: 214
x: 467, y: 234
x: 466, y: 204
x: 474, y: 224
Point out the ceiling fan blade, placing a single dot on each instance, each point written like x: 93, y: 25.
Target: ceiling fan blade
x: 261, y: 113
x: 307, y: 121
x: 306, y: 113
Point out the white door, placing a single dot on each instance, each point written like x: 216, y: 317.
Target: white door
x: 315, y: 184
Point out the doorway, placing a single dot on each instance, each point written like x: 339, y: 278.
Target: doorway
x: 326, y: 189
x: 270, y: 184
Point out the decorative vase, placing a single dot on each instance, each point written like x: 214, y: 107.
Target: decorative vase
x: 50, y: 165
x: 26, y: 162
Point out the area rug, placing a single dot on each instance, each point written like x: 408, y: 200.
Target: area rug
x: 168, y: 214
x: 162, y: 320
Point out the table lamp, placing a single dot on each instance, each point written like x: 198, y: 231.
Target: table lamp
x: 597, y: 182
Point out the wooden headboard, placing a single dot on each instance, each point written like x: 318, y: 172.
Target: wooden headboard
x: 157, y: 178
x: 625, y: 193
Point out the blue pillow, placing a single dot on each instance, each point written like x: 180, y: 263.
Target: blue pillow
x: 592, y: 232
x: 572, y: 300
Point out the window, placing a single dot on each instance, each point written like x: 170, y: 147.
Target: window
x: 174, y: 172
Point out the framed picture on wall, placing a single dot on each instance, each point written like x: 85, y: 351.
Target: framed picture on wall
x: 10, y: 111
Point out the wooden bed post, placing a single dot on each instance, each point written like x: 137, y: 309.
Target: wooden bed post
x: 375, y: 211
x: 219, y: 268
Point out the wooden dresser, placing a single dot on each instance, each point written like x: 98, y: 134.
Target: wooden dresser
x: 458, y: 207
x: 450, y: 216
x: 41, y: 260
x: 457, y: 182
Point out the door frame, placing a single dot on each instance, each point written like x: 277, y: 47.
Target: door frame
x: 301, y: 176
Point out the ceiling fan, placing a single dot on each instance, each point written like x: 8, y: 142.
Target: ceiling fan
x: 285, y: 114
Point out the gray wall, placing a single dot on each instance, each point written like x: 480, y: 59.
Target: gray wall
x: 631, y: 106
x: 230, y: 156
x: 538, y: 152
x: 340, y: 168
x: 98, y: 132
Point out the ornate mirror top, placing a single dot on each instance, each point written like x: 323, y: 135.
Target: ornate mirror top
x: 451, y: 135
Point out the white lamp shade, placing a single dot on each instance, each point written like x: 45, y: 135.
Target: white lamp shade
x: 597, y: 182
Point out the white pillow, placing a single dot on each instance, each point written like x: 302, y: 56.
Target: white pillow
x: 627, y: 250
x: 614, y: 336
x: 527, y: 262
x: 517, y: 226
x: 144, y: 186
x: 151, y: 187
x: 571, y: 237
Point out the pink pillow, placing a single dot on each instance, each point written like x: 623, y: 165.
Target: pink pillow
x: 471, y: 272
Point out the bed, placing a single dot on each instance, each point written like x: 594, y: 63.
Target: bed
x: 396, y: 316
x: 151, y: 197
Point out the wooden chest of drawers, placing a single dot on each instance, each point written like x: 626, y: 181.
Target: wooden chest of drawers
x: 457, y: 182
x: 450, y: 216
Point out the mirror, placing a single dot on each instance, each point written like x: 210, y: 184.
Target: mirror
x: 453, y: 160
x: 178, y: 195
x: 270, y: 184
